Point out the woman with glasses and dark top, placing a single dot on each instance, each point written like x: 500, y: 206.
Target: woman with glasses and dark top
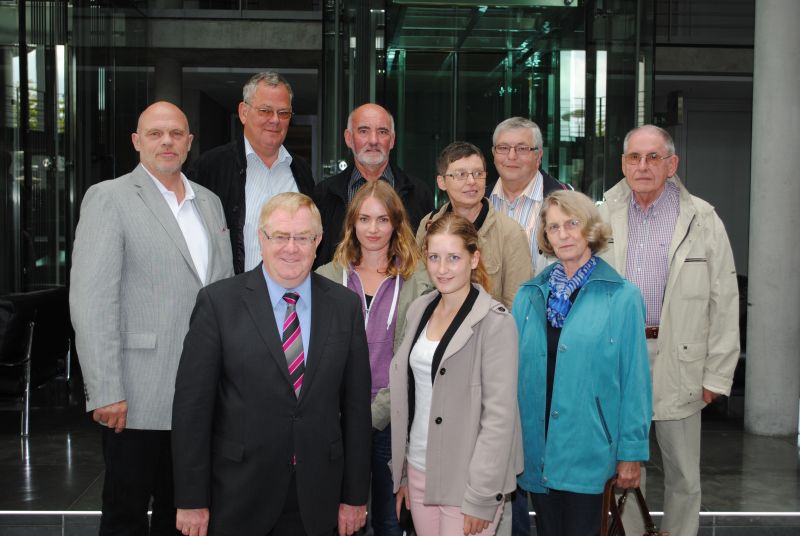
x: 585, y: 397
x: 504, y: 247
x: 379, y: 260
x: 455, y: 424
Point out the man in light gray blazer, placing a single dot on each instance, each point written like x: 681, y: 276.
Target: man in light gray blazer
x: 146, y: 243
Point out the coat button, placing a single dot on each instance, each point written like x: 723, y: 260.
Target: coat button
x: 438, y: 420
x: 499, y: 497
x: 441, y: 372
x: 554, y: 414
x: 562, y: 347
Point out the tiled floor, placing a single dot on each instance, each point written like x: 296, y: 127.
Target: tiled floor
x: 60, y: 468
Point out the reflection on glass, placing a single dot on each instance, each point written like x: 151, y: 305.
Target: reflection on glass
x: 60, y: 89
x: 573, y: 94
x: 549, y: 63
x: 600, y: 93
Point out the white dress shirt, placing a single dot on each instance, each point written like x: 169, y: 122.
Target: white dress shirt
x: 261, y: 185
x: 188, y: 218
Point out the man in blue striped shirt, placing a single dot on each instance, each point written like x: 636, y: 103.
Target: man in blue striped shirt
x: 517, y: 150
x: 251, y: 170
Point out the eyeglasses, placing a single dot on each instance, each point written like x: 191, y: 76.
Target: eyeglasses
x: 460, y: 175
x: 284, y: 239
x: 651, y: 159
x: 521, y: 150
x: 569, y: 225
x: 268, y: 113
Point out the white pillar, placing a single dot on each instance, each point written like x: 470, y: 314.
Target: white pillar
x: 773, y: 316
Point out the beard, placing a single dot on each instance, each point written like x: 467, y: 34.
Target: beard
x: 371, y: 158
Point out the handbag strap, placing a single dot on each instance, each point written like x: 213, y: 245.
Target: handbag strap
x: 649, y: 526
x: 611, y: 522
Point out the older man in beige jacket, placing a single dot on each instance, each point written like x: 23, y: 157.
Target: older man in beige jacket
x: 674, y: 247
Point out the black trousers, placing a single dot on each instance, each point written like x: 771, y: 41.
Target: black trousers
x: 563, y: 513
x: 289, y: 522
x: 138, y: 470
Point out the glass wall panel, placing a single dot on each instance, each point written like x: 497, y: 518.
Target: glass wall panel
x: 576, y: 69
x: 504, y: 62
x: 45, y: 235
x: 481, y: 95
x: 34, y: 228
x: 423, y: 122
x: 76, y: 75
x: 11, y: 164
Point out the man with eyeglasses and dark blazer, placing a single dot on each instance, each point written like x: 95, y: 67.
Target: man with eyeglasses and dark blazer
x: 517, y: 150
x: 249, y: 171
x: 519, y: 193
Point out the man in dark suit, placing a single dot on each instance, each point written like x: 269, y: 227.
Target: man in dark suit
x: 269, y: 438
x: 248, y: 171
x: 370, y: 135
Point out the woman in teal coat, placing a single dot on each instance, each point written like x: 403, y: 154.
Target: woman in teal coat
x: 585, y: 396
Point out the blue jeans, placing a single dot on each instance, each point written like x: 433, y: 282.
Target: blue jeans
x: 384, y: 518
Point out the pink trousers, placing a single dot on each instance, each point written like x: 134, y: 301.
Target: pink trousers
x: 434, y: 520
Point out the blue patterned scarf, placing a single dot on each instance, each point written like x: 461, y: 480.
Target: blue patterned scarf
x: 561, y: 288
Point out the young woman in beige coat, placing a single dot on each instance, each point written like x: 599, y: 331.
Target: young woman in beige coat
x: 455, y: 424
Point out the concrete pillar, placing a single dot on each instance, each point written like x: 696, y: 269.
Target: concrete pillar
x: 773, y: 319
x: 168, y: 80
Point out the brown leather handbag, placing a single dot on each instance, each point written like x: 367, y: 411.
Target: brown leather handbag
x: 611, y: 524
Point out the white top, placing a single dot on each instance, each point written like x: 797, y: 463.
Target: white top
x: 262, y: 184
x: 421, y: 360
x: 188, y: 218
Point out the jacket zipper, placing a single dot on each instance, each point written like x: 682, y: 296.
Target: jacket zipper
x: 602, y: 419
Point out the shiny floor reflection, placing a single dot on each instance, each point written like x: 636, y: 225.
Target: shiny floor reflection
x: 60, y: 468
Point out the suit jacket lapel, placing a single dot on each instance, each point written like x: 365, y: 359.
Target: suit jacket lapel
x: 259, y: 304
x: 465, y: 331
x: 320, y: 326
x: 158, y: 206
x: 207, y: 217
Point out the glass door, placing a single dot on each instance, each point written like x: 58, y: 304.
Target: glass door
x: 578, y: 69
x: 42, y: 86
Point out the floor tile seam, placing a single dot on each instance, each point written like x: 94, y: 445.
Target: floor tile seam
x: 85, y: 491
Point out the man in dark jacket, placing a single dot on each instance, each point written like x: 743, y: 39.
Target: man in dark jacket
x: 517, y: 150
x: 370, y: 135
x: 250, y: 170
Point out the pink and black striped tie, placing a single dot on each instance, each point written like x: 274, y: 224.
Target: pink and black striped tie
x: 293, y: 342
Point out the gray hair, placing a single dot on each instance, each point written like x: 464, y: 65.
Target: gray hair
x: 513, y: 123
x: 350, y: 117
x: 291, y: 202
x: 669, y: 144
x: 270, y: 78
